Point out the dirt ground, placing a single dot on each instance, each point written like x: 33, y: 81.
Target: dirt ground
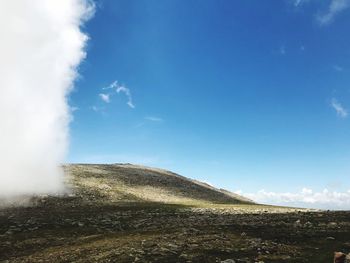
x: 65, y: 229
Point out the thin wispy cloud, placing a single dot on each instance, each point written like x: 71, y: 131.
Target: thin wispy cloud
x: 304, y: 198
x: 117, y: 88
x: 337, y: 68
x: 105, y: 97
x: 299, y: 2
x: 154, y: 119
x: 338, y: 107
x: 74, y: 108
x: 327, y: 16
x: 127, y: 92
x: 335, y: 7
x: 113, y: 85
x: 282, y: 50
x: 94, y: 108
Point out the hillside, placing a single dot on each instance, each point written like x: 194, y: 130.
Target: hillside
x: 127, y: 213
x: 134, y: 183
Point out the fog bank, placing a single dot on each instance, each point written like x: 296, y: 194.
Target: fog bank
x: 41, y: 46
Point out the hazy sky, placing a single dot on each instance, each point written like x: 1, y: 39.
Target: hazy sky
x: 245, y: 95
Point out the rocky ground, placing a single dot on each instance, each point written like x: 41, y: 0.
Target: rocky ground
x: 84, y: 227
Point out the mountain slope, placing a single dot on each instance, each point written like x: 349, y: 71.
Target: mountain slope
x: 134, y: 183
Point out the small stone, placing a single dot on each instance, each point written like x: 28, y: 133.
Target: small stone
x: 228, y: 261
x: 332, y: 224
x: 297, y: 223
x: 9, y: 232
x: 308, y: 224
x: 339, y: 257
x: 330, y: 238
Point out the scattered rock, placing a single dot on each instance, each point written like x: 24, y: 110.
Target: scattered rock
x: 332, y: 224
x: 297, y: 223
x: 96, y: 228
x: 308, y: 224
x: 339, y: 257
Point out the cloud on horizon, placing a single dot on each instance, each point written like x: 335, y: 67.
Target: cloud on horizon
x: 305, y: 198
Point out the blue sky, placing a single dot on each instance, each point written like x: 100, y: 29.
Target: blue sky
x: 245, y: 95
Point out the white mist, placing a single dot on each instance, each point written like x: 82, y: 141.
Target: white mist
x: 40, y: 48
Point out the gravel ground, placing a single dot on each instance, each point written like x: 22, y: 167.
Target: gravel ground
x: 66, y: 230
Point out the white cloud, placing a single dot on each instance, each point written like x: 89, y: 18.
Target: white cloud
x: 127, y: 92
x: 335, y: 7
x: 113, y: 85
x: 119, y: 89
x: 41, y: 46
x: 105, y: 97
x: 152, y: 118
x: 305, y: 198
x: 341, y: 111
x: 325, y: 17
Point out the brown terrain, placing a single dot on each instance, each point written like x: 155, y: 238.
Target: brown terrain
x: 129, y: 213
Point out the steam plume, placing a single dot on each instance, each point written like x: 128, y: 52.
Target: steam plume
x: 41, y: 46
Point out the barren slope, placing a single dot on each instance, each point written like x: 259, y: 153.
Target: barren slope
x: 130, y: 183
x: 126, y: 213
